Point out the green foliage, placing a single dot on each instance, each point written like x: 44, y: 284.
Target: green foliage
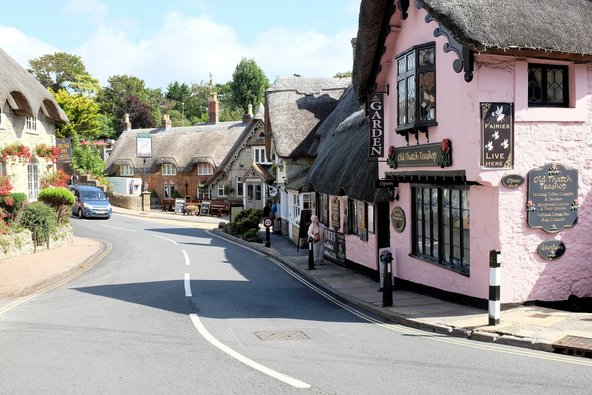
x: 83, y: 113
x: 61, y: 70
x: 87, y: 159
x: 248, y: 84
x: 61, y: 199
x: 41, y: 220
x: 153, y: 194
x: 244, y: 221
x: 252, y: 235
x: 175, y: 194
x: 122, y: 95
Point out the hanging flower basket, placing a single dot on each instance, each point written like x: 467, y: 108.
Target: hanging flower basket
x: 48, y: 152
x: 16, y: 152
x: 5, y: 185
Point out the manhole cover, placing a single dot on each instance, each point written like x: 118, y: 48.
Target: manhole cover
x: 574, y: 345
x: 540, y: 315
x: 282, y: 335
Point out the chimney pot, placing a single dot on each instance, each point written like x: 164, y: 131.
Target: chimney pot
x: 127, y: 125
x: 166, y: 122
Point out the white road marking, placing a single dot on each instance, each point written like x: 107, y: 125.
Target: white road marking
x: 249, y: 362
x: 186, y: 257
x: 187, y: 284
x: 115, y: 227
x: 166, y: 238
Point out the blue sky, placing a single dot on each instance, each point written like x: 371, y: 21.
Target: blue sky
x: 161, y: 41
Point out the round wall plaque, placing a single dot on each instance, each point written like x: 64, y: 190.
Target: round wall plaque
x: 512, y: 180
x: 551, y: 249
x: 398, y: 219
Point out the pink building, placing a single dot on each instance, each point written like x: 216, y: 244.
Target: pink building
x: 487, y: 114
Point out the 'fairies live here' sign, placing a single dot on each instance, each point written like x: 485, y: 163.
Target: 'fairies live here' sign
x: 497, y: 135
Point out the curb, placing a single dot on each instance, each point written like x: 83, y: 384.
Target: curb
x: 465, y: 333
x: 79, y: 266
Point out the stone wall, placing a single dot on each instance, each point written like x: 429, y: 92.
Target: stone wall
x: 18, y: 244
x: 131, y: 202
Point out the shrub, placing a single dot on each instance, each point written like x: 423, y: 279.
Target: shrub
x: 244, y: 221
x: 252, y: 235
x: 13, y: 204
x: 60, y: 199
x: 41, y: 220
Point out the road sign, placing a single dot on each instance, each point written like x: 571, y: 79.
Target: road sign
x: 267, y: 222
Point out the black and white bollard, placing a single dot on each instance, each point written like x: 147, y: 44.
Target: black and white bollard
x: 310, y: 255
x: 494, y: 287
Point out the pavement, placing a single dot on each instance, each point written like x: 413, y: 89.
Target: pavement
x: 532, y: 327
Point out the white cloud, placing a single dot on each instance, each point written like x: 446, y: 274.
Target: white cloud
x: 93, y: 10
x: 21, y: 47
x: 188, y: 49
x: 281, y: 52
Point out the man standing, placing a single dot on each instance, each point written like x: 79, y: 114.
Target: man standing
x: 316, y: 235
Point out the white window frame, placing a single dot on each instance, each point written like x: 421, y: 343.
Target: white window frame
x: 240, y: 188
x: 126, y: 170
x: 201, y: 195
x: 259, y: 155
x: 168, y: 169
x: 168, y: 190
x: 221, y: 190
x: 33, y: 180
x: 204, y: 169
x: 31, y: 124
x: 2, y: 116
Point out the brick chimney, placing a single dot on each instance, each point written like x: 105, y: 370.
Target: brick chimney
x: 127, y: 125
x: 213, y: 108
x: 166, y: 123
x: 249, y: 115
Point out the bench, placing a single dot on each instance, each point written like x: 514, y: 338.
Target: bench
x: 167, y: 204
x: 220, y: 208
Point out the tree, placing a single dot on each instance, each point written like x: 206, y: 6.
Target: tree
x: 61, y: 70
x: 248, y: 84
x: 83, y: 113
x: 125, y: 94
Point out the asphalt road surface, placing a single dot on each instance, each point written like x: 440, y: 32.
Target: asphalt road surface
x: 173, y: 309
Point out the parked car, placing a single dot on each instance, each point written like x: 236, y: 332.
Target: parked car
x: 91, y: 202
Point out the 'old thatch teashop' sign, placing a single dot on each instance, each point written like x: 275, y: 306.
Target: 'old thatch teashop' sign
x: 438, y: 154
x: 497, y: 135
x: 552, y: 198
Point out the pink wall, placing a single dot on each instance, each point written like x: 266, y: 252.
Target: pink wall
x: 498, y: 216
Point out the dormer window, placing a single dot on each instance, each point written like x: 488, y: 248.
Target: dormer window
x: 168, y: 169
x: 416, y: 89
x: 204, y: 169
x: 547, y: 85
x: 31, y: 124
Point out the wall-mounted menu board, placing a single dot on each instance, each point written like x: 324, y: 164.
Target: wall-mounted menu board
x: 552, y: 198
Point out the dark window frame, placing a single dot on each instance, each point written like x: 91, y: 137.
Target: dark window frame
x: 416, y: 123
x: 431, y: 236
x: 544, y: 82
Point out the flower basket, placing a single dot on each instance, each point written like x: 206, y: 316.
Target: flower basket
x: 48, y: 152
x: 16, y: 152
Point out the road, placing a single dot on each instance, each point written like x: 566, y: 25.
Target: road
x: 174, y: 309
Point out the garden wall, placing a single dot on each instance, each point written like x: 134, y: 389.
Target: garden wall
x: 18, y: 244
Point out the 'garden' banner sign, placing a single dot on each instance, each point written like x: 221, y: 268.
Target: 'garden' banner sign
x: 376, y: 116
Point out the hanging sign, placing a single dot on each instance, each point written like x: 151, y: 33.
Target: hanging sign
x: 436, y: 154
x: 144, y: 145
x: 376, y: 117
x: 335, y: 214
x: 552, y: 198
x: 65, y: 147
x: 497, y: 135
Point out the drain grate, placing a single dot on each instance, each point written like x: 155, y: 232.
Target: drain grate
x: 574, y: 345
x: 281, y: 335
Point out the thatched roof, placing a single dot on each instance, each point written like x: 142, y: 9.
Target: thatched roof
x: 341, y: 166
x: 548, y: 29
x: 183, y: 146
x: 25, y: 95
x: 295, y: 107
